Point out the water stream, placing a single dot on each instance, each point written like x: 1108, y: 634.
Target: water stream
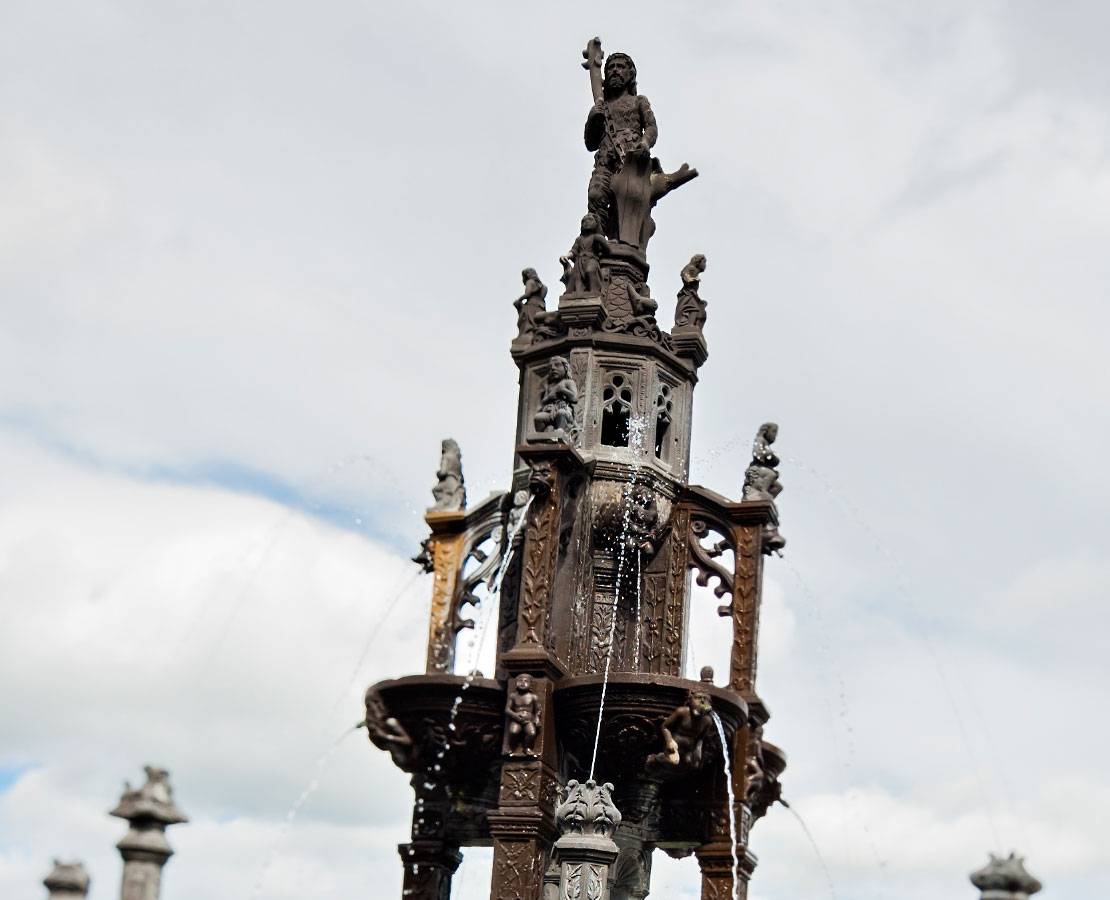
x: 310, y: 789
x: 816, y: 850
x: 726, y: 758
x: 637, y: 428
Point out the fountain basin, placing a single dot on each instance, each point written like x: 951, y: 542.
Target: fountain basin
x: 423, y: 705
x: 635, y: 707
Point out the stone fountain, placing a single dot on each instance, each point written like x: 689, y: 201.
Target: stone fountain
x: 587, y: 749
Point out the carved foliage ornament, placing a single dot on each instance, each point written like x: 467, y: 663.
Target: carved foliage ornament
x: 587, y: 809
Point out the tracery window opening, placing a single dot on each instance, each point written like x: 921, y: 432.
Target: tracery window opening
x: 616, y: 411
x: 664, y: 410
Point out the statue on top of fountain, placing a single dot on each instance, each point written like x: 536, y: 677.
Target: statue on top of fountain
x: 626, y: 181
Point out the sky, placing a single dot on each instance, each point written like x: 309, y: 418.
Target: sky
x: 257, y: 259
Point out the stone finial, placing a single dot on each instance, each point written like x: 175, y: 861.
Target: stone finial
x: 1005, y: 879
x: 149, y: 809
x: 587, y: 809
x: 450, y: 491
x: 584, y: 853
x: 67, y: 881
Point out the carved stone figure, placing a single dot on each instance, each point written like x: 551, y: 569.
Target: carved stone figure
x: 684, y: 733
x: 450, y: 491
x: 753, y: 768
x: 761, y: 481
x: 560, y: 394
x: 386, y: 733
x: 690, y: 309
x: 530, y: 306
x: 581, y: 266
x: 706, y: 676
x: 523, y: 710
x: 1005, y: 879
x: 621, y: 129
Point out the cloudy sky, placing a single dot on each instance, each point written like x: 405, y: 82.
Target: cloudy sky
x: 257, y: 259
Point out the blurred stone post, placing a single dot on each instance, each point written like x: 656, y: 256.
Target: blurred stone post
x: 1005, y: 879
x: 144, y: 848
x: 68, y: 881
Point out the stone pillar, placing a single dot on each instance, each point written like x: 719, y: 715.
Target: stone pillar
x: 585, y: 851
x: 144, y: 848
x: 68, y: 881
x: 429, y: 866
x: 1005, y: 879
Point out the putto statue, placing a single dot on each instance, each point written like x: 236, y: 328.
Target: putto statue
x: 690, y: 309
x: 450, y: 491
x: 584, y: 276
x: 560, y: 394
x: 523, y: 711
x: 621, y: 130
x: 684, y: 733
x: 530, y: 306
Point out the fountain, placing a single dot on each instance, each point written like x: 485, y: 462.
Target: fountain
x: 585, y: 749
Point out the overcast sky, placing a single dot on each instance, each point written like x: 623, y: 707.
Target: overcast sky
x: 258, y: 258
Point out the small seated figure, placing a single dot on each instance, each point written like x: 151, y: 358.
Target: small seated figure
x: 684, y: 733
x: 706, y: 676
x: 523, y: 710
x: 584, y: 276
x: 690, y: 310
x: 560, y: 394
x: 530, y: 306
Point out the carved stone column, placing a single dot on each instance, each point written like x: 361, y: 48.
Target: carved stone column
x: 716, y: 864
x: 585, y: 851
x: 144, y: 848
x: 1005, y: 879
x: 749, y: 520
x: 68, y: 881
x: 523, y: 825
x: 429, y: 866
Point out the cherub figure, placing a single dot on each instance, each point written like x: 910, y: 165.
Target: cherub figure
x: 684, y: 733
x: 523, y: 710
x: 560, y: 394
x: 584, y: 277
x: 531, y: 305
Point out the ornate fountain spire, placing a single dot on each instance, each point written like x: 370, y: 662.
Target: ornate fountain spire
x: 587, y: 562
